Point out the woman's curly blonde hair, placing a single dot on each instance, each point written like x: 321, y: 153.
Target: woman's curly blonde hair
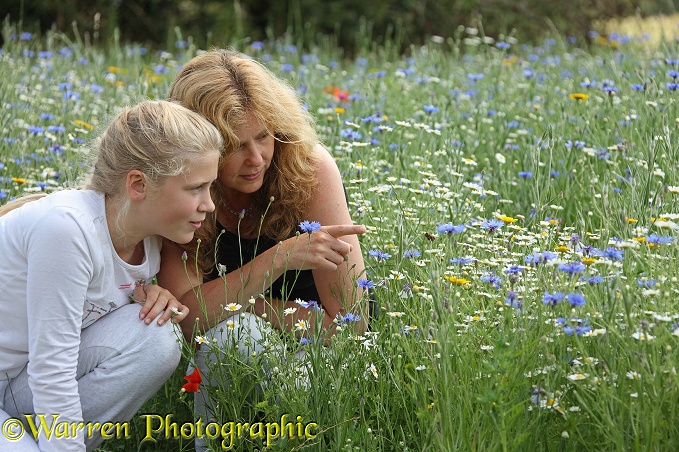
x: 226, y: 87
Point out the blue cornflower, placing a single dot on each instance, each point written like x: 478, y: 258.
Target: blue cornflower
x: 461, y: 260
x: 309, y: 226
x: 365, y: 284
x: 525, y: 174
x: 514, y: 269
x: 36, y: 130
x: 181, y: 44
x: 637, y: 87
x: 576, y: 299
x: 449, y: 228
x: 492, y: 225
x: 656, y: 239
x: 492, y: 279
x: 648, y: 283
x: 672, y: 86
x: 412, y: 253
x: 611, y: 253
x: 552, y: 299
x: 348, y: 318
x: 46, y: 116
x: 304, y: 341
x: 514, y: 300
x: 503, y: 45
x: 475, y: 77
x: 568, y: 330
x: 431, y: 109
x: 580, y: 330
x: 56, y: 129
x: 379, y: 255
x: 257, y: 45
x: 592, y: 280
x: 572, y: 267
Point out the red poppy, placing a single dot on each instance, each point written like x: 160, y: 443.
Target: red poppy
x: 337, y: 93
x: 194, y: 381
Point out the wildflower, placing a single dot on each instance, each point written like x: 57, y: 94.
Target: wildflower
x: 633, y: 375
x: 289, y: 311
x: 412, y: 253
x: 492, y: 225
x: 309, y: 226
x: 373, y: 370
x: 365, y: 284
x: 578, y: 96
x: 449, y: 228
x: 592, y: 280
x: 201, y: 340
x: 492, y: 279
x: 348, y: 318
x: 379, y: 255
x: 421, y: 367
x: 514, y: 300
x: 572, y: 267
x: 194, y: 380
x: 576, y: 299
x: 301, y: 325
x: 232, y: 307
x: 642, y: 336
x: 577, y: 377
x: 553, y: 299
x: 525, y: 174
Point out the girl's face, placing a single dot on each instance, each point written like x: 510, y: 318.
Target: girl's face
x: 181, y: 202
x: 244, y: 170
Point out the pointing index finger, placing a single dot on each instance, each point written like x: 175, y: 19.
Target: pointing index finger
x: 339, y: 230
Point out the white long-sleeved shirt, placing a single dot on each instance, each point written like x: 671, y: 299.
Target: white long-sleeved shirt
x: 59, y: 273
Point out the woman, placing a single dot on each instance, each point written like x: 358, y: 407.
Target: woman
x: 274, y: 175
x: 72, y: 343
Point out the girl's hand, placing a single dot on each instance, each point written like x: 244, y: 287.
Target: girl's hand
x: 155, y: 299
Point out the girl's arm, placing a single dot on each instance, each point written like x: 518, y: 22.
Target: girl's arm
x: 58, y: 275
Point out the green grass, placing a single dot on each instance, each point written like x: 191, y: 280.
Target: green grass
x: 433, y: 138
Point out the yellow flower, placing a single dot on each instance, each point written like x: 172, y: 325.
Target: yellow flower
x: 19, y: 180
x: 84, y: 124
x: 632, y: 220
x: 588, y: 260
x: 578, y: 96
x: 117, y: 70
x: 339, y: 110
x: 456, y: 280
x: 507, y: 219
x: 562, y: 249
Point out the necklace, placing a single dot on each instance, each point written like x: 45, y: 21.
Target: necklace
x: 245, y: 212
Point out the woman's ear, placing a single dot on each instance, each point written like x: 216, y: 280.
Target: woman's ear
x: 135, y: 185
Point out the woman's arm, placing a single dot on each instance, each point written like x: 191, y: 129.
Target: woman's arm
x: 206, y: 301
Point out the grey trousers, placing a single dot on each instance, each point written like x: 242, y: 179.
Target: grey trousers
x: 121, y: 364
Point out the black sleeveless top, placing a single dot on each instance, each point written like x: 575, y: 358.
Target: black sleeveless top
x: 234, y: 253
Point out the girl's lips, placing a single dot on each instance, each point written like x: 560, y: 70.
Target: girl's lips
x: 196, y: 224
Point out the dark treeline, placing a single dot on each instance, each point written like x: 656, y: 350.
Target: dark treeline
x: 349, y: 22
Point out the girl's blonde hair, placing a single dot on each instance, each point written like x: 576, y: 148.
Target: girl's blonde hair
x: 159, y: 138
x: 226, y: 87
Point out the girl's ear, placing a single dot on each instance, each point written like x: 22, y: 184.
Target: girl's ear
x: 135, y: 185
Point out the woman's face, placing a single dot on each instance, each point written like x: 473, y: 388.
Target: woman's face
x: 244, y: 170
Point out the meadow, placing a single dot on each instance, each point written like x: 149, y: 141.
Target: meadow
x: 522, y: 205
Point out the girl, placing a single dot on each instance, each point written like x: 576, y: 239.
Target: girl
x: 72, y: 345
